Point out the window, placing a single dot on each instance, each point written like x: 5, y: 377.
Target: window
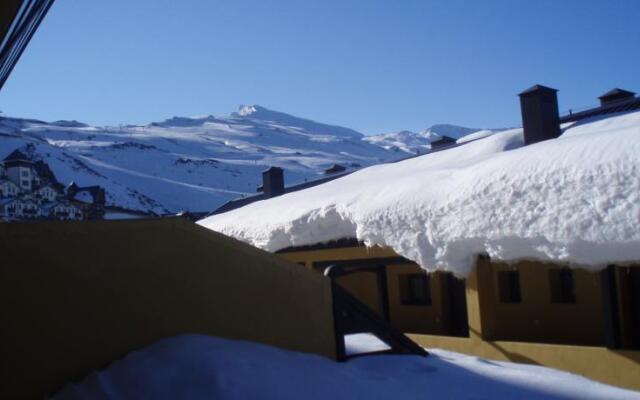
x: 415, y: 289
x: 25, y: 173
x: 509, y: 286
x: 563, y: 286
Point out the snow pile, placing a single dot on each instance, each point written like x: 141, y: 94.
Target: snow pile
x: 574, y: 199
x: 475, y: 136
x: 437, y: 131
x: 200, y: 367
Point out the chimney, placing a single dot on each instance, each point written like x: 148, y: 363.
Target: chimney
x: 273, y: 182
x: 540, y: 117
x: 615, y: 95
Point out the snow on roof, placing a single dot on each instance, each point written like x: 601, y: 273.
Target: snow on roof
x: 7, y: 181
x: 574, y: 199
x: 54, y: 204
x: 83, y: 196
x: 17, y: 155
x: 8, y: 201
x: 475, y: 136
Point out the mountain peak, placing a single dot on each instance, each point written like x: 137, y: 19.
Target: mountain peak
x: 256, y: 112
x: 248, y: 110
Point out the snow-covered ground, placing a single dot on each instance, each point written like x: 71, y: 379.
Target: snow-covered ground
x: 573, y: 199
x: 194, y: 164
x: 199, y: 367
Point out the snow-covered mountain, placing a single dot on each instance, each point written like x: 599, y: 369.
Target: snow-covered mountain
x: 420, y: 142
x: 187, y: 163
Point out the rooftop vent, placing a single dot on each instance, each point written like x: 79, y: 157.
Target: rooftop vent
x: 273, y: 182
x: 540, y: 117
x: 616, y: 95
x: 444, y: 141
x: 334, y: 169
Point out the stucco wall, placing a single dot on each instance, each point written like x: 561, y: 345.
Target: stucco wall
x: 536, y: 318
x: 76, y: 295
x: 433, y: 318
x: 615, y: 367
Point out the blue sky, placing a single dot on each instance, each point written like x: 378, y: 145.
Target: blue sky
x: 371, y: 65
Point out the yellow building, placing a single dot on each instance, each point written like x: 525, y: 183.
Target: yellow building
x: 547, y: 192
x: 532, y: 312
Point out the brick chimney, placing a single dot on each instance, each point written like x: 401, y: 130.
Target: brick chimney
x: 616, y: 95
x: 540, y: 117
x: 273, y: 182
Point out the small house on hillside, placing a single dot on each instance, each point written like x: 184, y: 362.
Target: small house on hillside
x: 90, y: 199
x: 334, y: 169
x: 20, y: 169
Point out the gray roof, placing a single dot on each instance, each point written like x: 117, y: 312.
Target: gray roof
x: 617, y: 92
x: 536, y: 88
x: 17, y: 155
x: 241, y: 202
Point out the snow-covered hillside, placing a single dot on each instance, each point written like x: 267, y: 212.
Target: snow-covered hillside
x: 420, y: 142
x: 183, y: 163
x: 573, y: 199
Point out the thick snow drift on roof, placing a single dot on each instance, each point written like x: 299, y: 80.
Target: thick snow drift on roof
x: 574, y: 199
x: 199, y: 367
x: 475, y: 136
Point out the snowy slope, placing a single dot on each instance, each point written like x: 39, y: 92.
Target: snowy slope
x: 186, y: 163
x: 574, y: 199
x: 402, y: 141
x: 199, y: 367
x: 420, y: 142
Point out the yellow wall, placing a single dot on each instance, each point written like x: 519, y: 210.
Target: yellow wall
x: 521, y: 332
x: 364, y: 287
x: 432, y: 319
x: 75, y: 296
x: 536, y: 318
x: 619, y: 368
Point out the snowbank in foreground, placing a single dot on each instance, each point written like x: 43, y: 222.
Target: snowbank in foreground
x: 200, y: 367
x: 574, y: 199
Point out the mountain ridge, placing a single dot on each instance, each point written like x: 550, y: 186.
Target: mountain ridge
x: 191, y: 163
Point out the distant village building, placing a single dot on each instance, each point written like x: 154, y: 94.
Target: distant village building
x: 29, y: 190
x: 334, y: 169
x: 443, y: 142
